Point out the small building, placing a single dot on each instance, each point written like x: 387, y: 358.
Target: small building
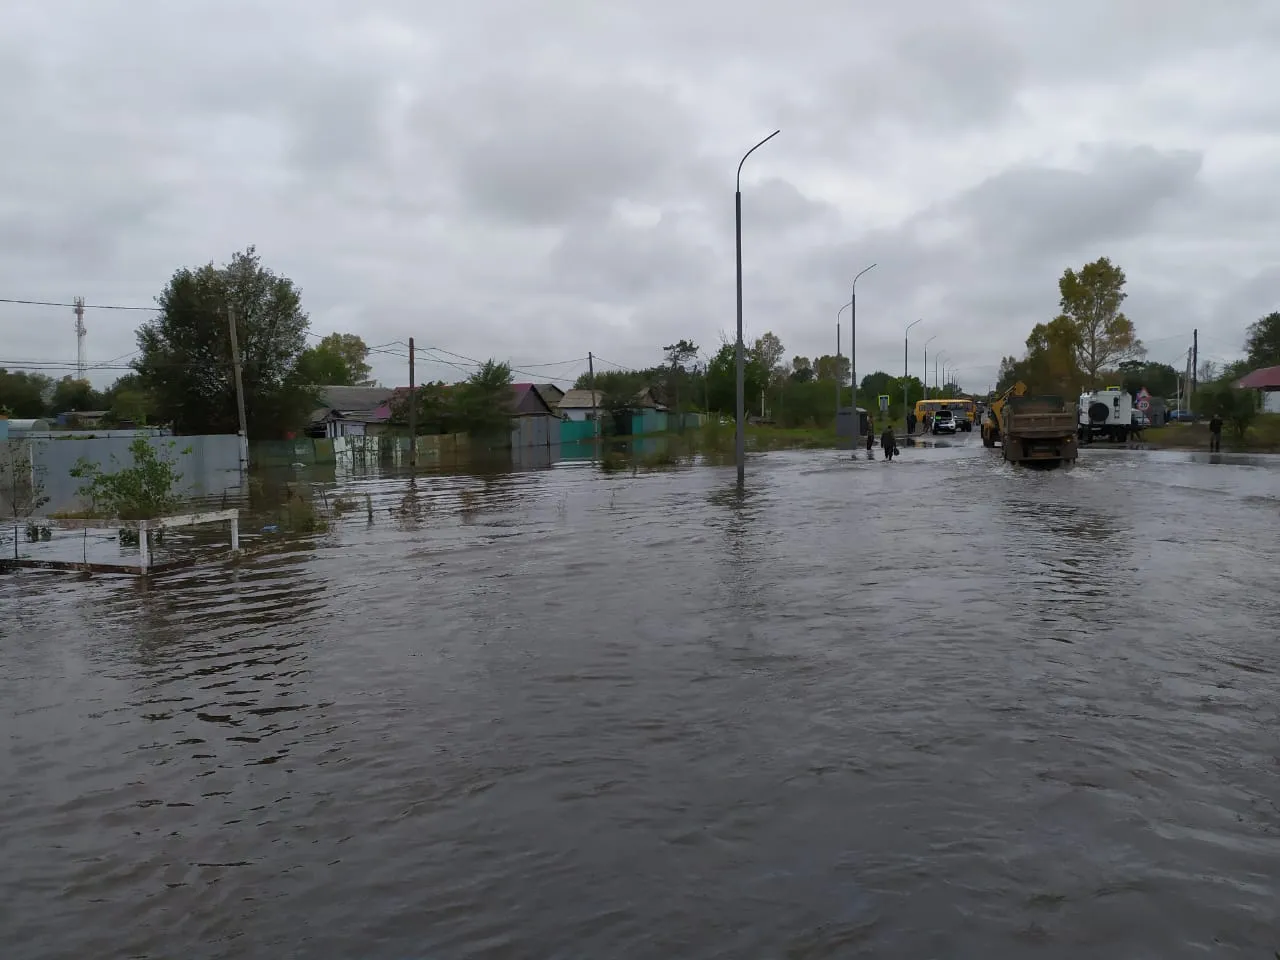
x: 350, y: 412
x: 82, y: 419
x: 1266, y: 380
x: 648, y: 413
x: 551, y: 395
x: 577, y: 406
x: 645, y: 414
x: 533, y: 422
x: 844, y: 422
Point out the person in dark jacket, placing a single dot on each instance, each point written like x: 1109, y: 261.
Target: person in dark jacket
x: 911, y: 423
x: 871, y: 433
x: 1215, y: 434
x: 888, y: 443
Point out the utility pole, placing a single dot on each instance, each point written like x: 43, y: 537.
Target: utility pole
x: 595, y: 418
x: 740, y: 366
x: 675, y: 388
x: 837, y: 370
x: 924, y: 373
x: 413, y: 414
x: 239, y: 377
x: 905, y: 337
x: 1195, y: 362
x: 853, y: 361
x: 80, y: 332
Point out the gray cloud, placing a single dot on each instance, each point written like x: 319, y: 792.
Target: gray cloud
x: 542, y: 150
x: 539, y: 180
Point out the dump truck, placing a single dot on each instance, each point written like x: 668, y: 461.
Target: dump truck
x: 1031, y: 429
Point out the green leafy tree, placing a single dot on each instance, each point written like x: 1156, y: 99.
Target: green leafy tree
x: 1238, y: 408
x: 802, y: 370
x: 1262, y: 342
x: 1159, y: 379
x: 678, y: 354
x: 339, y: 360
x: 831, y: 368
x: 71, y: 394
x: 1049, y: 365
x: 1090, y: 301
x: 876, y: 384
x: 186, y: 365
x: 24, y: 395
x: 437, y: 412
x: 127, y: 401
x: 793, y: 403
x: 480, y: 406
x: 722, y: 379
x: 144, y: 490
x: 484, y: 401
x: 768, y: 351
x: 1052, y: 361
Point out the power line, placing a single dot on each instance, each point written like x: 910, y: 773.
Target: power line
x: 87, y: 306
x: 558, y: 363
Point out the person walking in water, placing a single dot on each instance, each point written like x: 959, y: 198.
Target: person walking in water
x: 871, y: 433
x: 1215, y: 434
x: 888, y: 443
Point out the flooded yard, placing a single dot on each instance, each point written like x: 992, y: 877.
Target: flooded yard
x: 939, y: 707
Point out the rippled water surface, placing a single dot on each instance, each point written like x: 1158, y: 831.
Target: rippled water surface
x: 934, y: 708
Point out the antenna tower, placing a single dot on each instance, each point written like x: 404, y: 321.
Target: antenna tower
x: 80, y: 332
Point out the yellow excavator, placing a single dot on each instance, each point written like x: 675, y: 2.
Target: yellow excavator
x: 1039, y: 429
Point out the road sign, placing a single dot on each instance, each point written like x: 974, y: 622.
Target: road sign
x: 1144, y: 404
x: 884, y: 402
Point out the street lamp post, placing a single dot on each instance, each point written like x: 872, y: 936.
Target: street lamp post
x: 740, y: 436
x: 838, y: 383
x: 924, y: 373
x: 936, y: 357
x: 906, y: 334
x: 853, y: 365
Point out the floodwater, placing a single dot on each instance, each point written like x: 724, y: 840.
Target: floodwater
x: 935, y: 708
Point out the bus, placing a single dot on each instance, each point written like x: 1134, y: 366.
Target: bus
x: 965, y: 411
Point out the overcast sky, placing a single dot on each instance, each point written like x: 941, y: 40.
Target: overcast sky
x: 533, y: 179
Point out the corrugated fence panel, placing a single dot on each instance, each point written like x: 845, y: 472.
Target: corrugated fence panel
x: 209, y: 465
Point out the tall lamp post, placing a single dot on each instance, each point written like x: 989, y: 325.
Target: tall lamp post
x: 905, y: 335
x: 924, y: 372
x: 740, y: 435
x: 853, y: 365
x: 838, y: 383
x: 936, y: 357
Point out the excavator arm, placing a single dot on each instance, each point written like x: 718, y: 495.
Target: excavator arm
x: 993, y: 427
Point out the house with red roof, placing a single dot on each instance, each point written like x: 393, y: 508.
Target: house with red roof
x: 1266, y: 380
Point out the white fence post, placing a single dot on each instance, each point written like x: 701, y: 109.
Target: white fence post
x: 235, y: 533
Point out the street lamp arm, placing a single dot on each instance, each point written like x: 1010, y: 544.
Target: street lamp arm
x: 860, y: 273
x: 738, y: 181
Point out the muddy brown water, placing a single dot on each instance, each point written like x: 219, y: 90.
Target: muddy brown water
x: 934, y: 708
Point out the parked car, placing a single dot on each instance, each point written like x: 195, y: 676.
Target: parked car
x: 1182, y: 416
x: 944, y: 421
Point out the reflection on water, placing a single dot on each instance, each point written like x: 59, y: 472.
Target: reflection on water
x: 562, y: 712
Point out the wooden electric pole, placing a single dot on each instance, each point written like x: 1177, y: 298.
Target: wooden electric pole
x: 591, y: 384
x: 239, y: 378
x: 1195, y: 364
x: 413, y: 414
